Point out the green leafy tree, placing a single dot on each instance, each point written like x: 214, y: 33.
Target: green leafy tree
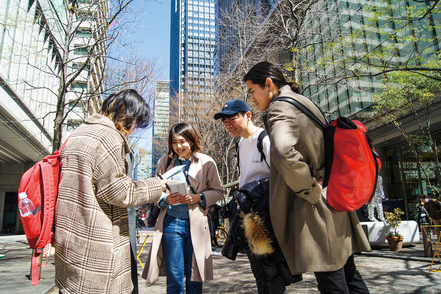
x: 411, y: 94
x: 392, y: 35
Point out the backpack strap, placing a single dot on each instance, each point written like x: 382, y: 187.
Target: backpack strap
x: 169, y: 159
x: 237, y: 156
x: 305, y: 110
x: 262, y: 135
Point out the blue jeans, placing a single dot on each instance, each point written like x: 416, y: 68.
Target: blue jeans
x: 178, y: 252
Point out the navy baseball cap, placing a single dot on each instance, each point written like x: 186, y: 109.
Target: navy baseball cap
x: 232, y: 107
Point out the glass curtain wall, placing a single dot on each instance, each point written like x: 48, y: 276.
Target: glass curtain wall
x: 407, y: 179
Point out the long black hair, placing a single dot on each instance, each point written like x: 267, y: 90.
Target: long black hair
x: 127, y: 108
x: 263, y: 70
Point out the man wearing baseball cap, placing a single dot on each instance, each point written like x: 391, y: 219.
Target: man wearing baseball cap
x: 254, y: 165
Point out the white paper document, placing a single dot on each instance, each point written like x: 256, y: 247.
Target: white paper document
x: 171, y: 172
x: 178, y: 186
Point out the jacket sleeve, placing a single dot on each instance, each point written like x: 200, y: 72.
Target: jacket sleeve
x: 284, y: 132
x: 215, y: 189
x: 113, y: 185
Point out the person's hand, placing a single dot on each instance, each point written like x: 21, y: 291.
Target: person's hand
x: 174, y: 198
x: 164, y: 185
x: 191, y: 198
x: 320, y: 182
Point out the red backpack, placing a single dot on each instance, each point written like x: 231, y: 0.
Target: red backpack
x: 351, y: 162
x: 40, y: 183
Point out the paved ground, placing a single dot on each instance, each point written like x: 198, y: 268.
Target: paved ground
x: 384, y: 271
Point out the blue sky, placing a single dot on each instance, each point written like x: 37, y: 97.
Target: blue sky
x: 153, y: 33
x: 152, y: 41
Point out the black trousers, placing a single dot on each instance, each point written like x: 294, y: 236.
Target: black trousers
x: 268, y: 280
x: 345, y: 280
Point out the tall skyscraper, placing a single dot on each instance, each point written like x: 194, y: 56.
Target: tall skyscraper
x: 192, y: 45
x: 161, y: 122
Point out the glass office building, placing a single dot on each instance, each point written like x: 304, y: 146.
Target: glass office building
x: 402, y: 43
x: 192, y: 44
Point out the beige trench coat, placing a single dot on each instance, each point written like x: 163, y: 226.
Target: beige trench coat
x: 92, y: 248
x: 313, y: 236
x: 204, y: 177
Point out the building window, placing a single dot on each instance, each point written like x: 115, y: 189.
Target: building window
x: 76, y: 66
x: 81, y: 51
x: 85, y: 33
x: 79, y: 87
x: 72, y: 125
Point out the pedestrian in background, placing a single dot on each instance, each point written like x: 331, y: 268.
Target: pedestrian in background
x: 181, y: 241
x: 433, y: 207
x: 313, y: 236
x: 213, y: 210
x: 92, y: 247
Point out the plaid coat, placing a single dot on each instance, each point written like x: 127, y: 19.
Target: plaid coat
x: 91, y: 226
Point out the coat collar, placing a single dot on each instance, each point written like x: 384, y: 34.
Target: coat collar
x: 283, y: 91
x: 99, y: 119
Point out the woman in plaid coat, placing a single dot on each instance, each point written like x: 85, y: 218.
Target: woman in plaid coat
x: 91, y: 231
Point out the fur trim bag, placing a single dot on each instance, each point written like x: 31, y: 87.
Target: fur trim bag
x: 253, y: 201
x: 256, y: 223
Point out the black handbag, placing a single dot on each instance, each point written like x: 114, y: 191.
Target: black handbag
x: 225, y: 211
x: 153, y: 216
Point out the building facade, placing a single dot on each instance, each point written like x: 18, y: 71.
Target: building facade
x: 143, y: 168
x: 161, y: 123
x: 368, y: 36
x: 192, y: 45
x: 33, y: 58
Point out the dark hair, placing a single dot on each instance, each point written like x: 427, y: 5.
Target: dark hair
x: 126, y: 108
x: 188, y: 132
x: 263, y: 70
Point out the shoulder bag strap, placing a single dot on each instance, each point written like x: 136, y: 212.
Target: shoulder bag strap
x: 305, y: 110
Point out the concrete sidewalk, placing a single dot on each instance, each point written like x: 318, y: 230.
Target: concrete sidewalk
x: 15, y: 268
x: 384, y: 271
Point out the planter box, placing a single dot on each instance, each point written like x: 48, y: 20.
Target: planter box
x: 376, y: 232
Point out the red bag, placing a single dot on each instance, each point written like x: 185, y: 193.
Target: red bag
x: 40, y: 183
x: 351, y: 162
x: 351, y: 165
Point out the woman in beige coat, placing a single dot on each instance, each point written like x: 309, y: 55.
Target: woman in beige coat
x: 181, y: 242
x: 92, y: 248
x: 313, y: 236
